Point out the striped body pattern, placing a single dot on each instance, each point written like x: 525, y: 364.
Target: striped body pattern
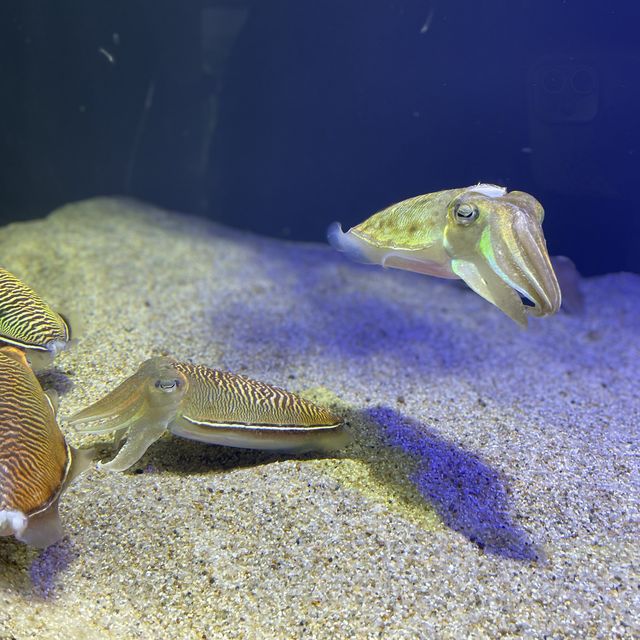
x: 222, y: 397
x: 26, y: 320
x: 34, y: 458
x: 208, y: 405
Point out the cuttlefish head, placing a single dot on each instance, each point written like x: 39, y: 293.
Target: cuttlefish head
x: 496, y: 245
x: 141, y: 407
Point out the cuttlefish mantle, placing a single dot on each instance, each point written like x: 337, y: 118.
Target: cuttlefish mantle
x: 212, y: 406
x: 36, y: 463
x: 490, y: 238
x: 28, y: 322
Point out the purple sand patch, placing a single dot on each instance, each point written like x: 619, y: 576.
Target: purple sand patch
x: 48, y: 565
x: 347, y: 323
x: 468, y: 495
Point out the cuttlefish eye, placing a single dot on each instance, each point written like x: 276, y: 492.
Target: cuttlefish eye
x: 465, y: 213
x: 168, y: 385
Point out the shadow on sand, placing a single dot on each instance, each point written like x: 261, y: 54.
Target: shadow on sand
x: 416, y: 464
x: 468, y: 495
x: 34, y: 572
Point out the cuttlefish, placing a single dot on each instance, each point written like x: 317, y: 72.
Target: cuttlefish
x: 28, y: 322
x: 489, y: 238
x: 212, y: 406
x: 36, y: 463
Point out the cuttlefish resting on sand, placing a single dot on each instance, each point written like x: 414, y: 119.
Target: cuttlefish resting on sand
x: 28, y: 322
x: 36, y: 464
x: 489, y: 238
x: 216, y: 407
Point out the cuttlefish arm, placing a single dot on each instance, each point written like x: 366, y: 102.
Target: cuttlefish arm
x: 216, y: 407
x: 489, y: 238
x: 142, y: 407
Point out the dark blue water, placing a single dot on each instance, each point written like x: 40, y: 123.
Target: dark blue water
x: 281, y: 116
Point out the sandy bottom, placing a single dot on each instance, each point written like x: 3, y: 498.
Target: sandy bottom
x: 493, y: 488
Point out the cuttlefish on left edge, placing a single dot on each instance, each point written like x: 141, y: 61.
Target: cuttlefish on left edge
x: 36, y: 463
x: 28, y: 322
x: 212, y: 406
x: 489, y: 238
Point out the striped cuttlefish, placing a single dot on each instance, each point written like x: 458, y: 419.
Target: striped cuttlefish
x: 490, y: 238
x: 36, y: 463
x: 212, y: 406
x: 28, y: 322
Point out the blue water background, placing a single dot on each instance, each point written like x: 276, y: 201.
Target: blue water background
x: 282, y: 116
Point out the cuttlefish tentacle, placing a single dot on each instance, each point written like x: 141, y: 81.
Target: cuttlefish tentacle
x: 141, y: 406
x: 216, y: 407
x: 489, y: 238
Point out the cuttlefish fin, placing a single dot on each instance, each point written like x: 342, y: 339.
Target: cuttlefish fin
x: 268, y: 438
x: 360, y: 250
x: 491, y: 287
x: 44, y: 528
x: 350, y: 244
x: 53, y: 399
x: 40, y: 360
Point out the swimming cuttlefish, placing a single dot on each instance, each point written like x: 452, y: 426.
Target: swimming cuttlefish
x: 489, y: 238
x: 36, y: 463
x: 216, y: 407
x: 28, y: 322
